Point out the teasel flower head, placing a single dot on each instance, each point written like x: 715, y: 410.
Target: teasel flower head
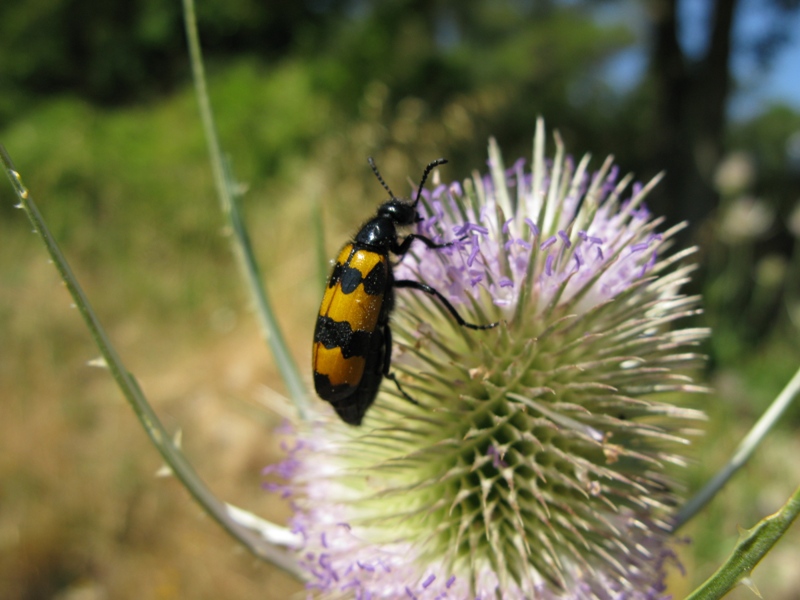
x: 541, y: 459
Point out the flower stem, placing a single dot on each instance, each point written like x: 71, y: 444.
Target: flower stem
x: 227, y: 193
x: 127, y: 383
x: 752, y: 547
x: 742, y: 454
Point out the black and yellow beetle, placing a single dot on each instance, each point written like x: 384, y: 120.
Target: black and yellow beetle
x: 352, y: 348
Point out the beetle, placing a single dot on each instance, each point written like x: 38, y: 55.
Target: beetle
x: 352, y: 349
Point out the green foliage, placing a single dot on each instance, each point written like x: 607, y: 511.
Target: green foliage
x: 118, y: 52
x: 766, y: 137
x: 404, y: 80
x: 751, y: 258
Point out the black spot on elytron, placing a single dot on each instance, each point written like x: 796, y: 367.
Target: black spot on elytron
x: 339, y: 334
x: 375, y: 282
x: 324, y: 387
x: 350, y: 280
x: 336, y: 275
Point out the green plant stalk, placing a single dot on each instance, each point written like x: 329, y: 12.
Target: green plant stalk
x: 752, y: 547
x: 743, y: 453
x: 226, y: 190
x: 127, y: 383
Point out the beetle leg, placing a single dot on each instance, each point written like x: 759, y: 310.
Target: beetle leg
x: 402, y: 247
x: 387, y: 363
x: 416, y: 285
x: 387, y: 349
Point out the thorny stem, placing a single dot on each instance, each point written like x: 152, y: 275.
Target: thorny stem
x: 127, y: 383
x: 227, y: 192
x: 742, y: 454
x: 752, y: 547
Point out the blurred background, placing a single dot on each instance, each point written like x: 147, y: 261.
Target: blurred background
x: 96, y: 108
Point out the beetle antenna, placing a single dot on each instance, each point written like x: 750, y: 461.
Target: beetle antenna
x: 378, y: 175
x: 431, y: 166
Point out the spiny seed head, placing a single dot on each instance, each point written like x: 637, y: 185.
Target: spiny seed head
x: 536, y: 464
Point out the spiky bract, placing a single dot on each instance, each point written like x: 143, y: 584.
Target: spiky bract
x: 537, y: 464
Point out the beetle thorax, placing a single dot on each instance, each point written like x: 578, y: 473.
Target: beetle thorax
x: 379, y: 234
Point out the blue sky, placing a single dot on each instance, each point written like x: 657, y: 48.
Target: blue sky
x: 757, y: 88
x: 782, y: 81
